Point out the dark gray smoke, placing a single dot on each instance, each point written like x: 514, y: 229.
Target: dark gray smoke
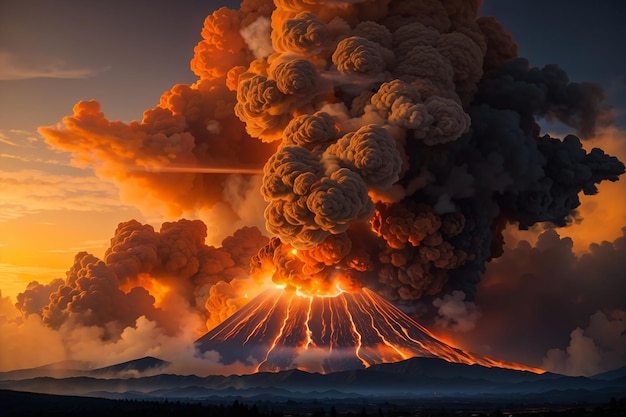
x: 460, y: 110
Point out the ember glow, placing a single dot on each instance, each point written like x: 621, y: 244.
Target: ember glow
x: 281, y: 330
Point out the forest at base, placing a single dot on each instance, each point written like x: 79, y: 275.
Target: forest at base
x: 23, y: 404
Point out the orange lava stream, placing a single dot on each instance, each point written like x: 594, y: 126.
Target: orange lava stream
x: 309, y: 339
x: 281, y: 330
x: 278, y: 337
x: 356, y: 333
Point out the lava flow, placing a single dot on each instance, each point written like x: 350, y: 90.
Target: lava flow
x: 282, y: 330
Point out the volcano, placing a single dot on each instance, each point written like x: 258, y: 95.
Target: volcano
x: 281, y: 330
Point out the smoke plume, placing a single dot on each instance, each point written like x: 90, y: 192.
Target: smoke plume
x: 147, y: 274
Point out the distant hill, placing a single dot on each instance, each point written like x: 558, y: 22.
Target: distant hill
x: 132, y: 368
x: 437, y: 368
x: 68, y: 369
x: 62, y: 369
x: 618, y: 373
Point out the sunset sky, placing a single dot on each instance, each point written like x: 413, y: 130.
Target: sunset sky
x: 54, y: 54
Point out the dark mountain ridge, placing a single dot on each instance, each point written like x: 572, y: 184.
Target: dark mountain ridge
x: 70, y: 369
x: 410, y: 378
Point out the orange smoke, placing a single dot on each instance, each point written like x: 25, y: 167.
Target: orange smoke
x: 166, y: 163
x: 360, y: 114
x: 157, y: 289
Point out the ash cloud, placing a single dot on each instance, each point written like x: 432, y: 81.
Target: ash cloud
x: 458, y: 107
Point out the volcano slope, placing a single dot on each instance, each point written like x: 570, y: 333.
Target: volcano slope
x: 281, y: 330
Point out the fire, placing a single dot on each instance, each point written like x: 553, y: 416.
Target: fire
x: 320, y: 291
x: 156, y: 288
x: 348, y: 330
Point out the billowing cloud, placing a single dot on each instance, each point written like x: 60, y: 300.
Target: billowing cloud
x: 456, y: 313
x: 451, y: 118
x: 153, y: 293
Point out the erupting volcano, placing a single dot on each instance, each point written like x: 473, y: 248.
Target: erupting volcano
x: 282, y: 330
x: 385, y: 145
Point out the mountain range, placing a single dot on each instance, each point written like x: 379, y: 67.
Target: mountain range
x: 411, y: 378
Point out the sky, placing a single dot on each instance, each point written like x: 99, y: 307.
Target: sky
x: 57, y: 200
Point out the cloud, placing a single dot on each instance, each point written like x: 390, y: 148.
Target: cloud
x: 25, y: 149
x: 22, y: 341
x: 13, y: 67
x: 26, y: 192
x: 7, y: 141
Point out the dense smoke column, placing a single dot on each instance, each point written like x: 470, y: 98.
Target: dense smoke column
x: 398, y: 139
x: 146, y: 273
x: 418, y: 144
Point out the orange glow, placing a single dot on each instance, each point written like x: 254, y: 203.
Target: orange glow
x: 320, y: 291
x: 156, y: 289
x: 190, y: 169
x: 606, y: 207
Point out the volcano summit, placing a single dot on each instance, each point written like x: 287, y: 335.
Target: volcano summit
x: 282, y: 330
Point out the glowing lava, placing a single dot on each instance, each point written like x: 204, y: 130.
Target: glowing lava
x: 279, y: 330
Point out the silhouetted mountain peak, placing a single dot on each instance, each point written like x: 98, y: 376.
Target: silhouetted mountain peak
x: 139, y: 366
